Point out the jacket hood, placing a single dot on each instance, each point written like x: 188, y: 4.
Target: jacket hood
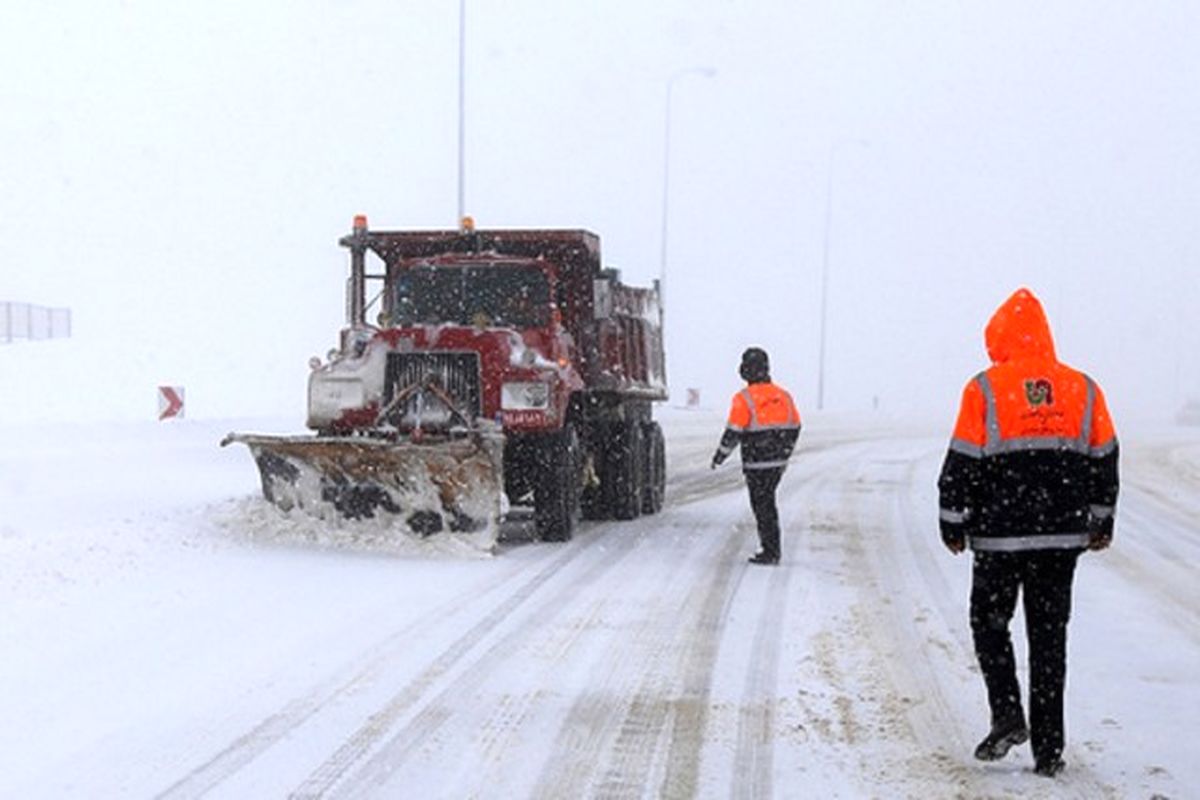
x: 1019, y: 330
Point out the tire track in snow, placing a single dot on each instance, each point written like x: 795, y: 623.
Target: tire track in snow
x: 833, y: 707
x: 1157, y: 541
x: 1165, y: 575
x: 653, y: 740
x: 807, y: 481
x: 683, y: 705
x: 1174, y: 536
x: 753, y: 763
x: 753, y: 775
x: 253, y: 743
x: 617, y: 717
x: 753, y: 760
x: 877, y: 666
x: 336, y: 772
x: 919, y: 631
x: 758, y: 657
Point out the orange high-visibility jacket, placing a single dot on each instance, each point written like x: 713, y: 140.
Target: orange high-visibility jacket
x: 1032, y: 463
x: 763, y: 419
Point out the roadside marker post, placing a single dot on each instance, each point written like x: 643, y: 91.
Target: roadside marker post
x: 170, y: 402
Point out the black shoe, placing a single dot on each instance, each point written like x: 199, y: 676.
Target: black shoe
x: 1003, y: 737
x: 1049, y: 767
x: 763, y: 558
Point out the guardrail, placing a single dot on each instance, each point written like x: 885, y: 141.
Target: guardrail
x: 30, y: 322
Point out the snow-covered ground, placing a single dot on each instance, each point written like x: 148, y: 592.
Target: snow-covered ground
x: 165, y: 633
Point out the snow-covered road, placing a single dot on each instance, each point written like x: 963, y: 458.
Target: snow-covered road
x: 166, y: 634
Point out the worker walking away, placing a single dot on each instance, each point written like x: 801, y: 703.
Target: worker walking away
x: 764, y: 421
x: 1029, y: 482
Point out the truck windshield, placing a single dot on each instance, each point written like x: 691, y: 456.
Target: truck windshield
x: 509, y: 295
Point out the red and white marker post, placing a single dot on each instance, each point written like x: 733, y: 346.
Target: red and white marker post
x: 170, y: 402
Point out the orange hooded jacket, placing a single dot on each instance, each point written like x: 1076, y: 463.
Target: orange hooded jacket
x: 1032, y: 462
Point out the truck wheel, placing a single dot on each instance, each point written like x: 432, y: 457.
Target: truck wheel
x: 655, y: 489
x: 627, y: 473
x: 556, y: 495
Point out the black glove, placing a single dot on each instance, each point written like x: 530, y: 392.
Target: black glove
x: 954, y: 539
x: 1101, y: 533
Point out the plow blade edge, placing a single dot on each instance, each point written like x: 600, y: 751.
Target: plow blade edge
x: 446, y: 485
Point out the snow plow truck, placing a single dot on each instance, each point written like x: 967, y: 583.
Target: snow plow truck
x: 498, y: 362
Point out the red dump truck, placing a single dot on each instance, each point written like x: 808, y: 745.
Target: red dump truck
x: 475, y: 363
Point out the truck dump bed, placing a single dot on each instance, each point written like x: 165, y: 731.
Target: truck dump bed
x: 617, y: 328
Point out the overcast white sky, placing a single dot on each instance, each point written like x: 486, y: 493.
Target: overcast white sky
x: 178, y: 174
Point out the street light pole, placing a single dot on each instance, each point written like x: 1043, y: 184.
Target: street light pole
x: 462, y: 120
x: 833, y: 150
x: 706, y: 72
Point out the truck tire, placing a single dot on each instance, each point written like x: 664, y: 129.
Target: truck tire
x: 556, y: 495
x: 654, y: 491
x: 627, y: 468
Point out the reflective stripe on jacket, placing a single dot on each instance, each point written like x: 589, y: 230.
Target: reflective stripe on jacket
x: 1032, y: 462
x: 762, y: 419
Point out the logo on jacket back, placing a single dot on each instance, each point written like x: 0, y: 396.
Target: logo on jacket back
x: 1039, y: 392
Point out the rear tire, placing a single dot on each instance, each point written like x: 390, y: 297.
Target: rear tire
x: 556, y: 495
x: 626, y: 470
x: 654, y: 491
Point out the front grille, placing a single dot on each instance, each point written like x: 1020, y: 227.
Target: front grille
x: 456, y: 373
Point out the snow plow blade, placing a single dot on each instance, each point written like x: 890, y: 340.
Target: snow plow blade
x: 433, y: 485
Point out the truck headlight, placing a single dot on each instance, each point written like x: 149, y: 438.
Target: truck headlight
x: 520, y: 396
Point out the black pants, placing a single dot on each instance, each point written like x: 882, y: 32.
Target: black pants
x: 762, y: 484
x: 1044, y: 577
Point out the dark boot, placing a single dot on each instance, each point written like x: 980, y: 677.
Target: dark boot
x: 763, y: 558
x: 1002, y: 738
x: 1049, y: 767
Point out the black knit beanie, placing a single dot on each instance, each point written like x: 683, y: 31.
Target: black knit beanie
x: 756, y: 367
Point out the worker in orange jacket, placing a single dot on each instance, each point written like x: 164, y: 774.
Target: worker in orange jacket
x: 1028, y: 483
x: 764, y: 421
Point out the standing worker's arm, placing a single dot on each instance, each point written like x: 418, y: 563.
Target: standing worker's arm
x: 961, y: 479
x: 729, y: 442
x: 1103, y: 478
x: 739, y: 420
